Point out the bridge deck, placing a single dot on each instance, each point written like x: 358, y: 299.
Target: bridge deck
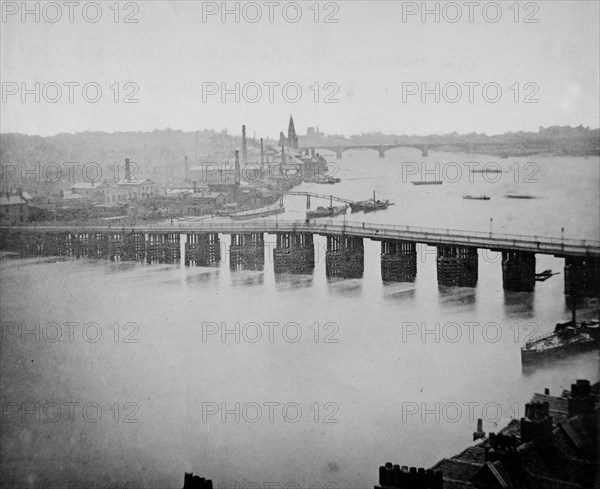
x: 431, y: 236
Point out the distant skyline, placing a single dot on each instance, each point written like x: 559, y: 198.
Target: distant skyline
x: 361, y: 61
x: 301, y: 132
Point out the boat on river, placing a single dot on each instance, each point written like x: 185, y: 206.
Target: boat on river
x: 326, y: 211
x: 425, y: 182
x: 269, y: 210
x: 569, y: 338
x: 543, y: 276
x: 519, y: 196
x: 371, y: 205
x: 328, y: 181
x: 476, y: 197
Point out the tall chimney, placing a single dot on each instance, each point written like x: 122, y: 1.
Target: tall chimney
x: 282, y: 160
x: 186, y: 168
x: 581, y: 400
x: 537, y: 424
x: 237, y: 165
x: 479, y: 433
x: 127, y: 170
x: 244, y: 146
x: 262, y: 153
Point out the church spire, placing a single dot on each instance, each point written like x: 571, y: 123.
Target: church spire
x: 292, y: 138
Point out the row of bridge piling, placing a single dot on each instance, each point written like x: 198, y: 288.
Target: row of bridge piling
x: 247, y: 251
x: 295, y: 254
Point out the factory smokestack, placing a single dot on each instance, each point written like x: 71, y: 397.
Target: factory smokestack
x: 262, y: 153
x: 237, y: 166
x: 244, y: 146
x: 127, y: 170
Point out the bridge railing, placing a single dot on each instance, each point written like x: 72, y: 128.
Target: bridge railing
x: 383, y: 231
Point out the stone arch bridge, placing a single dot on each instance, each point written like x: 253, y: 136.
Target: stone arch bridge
x: 382, y: 148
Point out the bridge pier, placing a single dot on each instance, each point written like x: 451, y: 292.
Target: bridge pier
x: 97, y: 245
x: 398, y: 261
x: 54, y: 244
x: 518, y: 271
x: 134, y: 246
x: 338, y: 153
x: 202, y: 250
x: 294, y: 253
x: 247, y: 251
x: 163, y: 248
x: 79, y: 243
x: 457, y: 265
x: 344, y: 257
x: 582, y: 278
x: 14, y: 240
x: 115, y: 246
x: 381, y: 151
x: 424, y: 151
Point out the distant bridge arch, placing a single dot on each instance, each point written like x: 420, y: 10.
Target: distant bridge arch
x: 484, y: 147
x: 380, y: 148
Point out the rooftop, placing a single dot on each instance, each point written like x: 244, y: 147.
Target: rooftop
x: 135, y: 182
x: 12, y: 200
x: 554, y: 446
x: 88, y: 186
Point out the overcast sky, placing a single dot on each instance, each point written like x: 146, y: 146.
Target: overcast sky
x: 368, y: 54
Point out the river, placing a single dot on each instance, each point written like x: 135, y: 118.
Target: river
x: 130, y: 380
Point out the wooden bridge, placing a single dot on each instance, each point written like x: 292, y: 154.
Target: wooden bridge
x: 432, y: 236
x: 457, y: 250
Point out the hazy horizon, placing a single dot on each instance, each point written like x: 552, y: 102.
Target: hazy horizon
x: 549, y: 57
x: 298, y: 130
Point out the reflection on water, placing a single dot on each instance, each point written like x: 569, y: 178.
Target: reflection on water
x: 288, y: 281
x: 519, y: 304
x: 453, y: 296
x: 247, y: 278
x: 346, y: 288
x: 396, y: 342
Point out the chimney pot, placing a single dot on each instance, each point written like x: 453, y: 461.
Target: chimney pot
x: 583, y: 387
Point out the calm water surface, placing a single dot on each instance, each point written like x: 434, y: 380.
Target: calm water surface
x: 362, y: 397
